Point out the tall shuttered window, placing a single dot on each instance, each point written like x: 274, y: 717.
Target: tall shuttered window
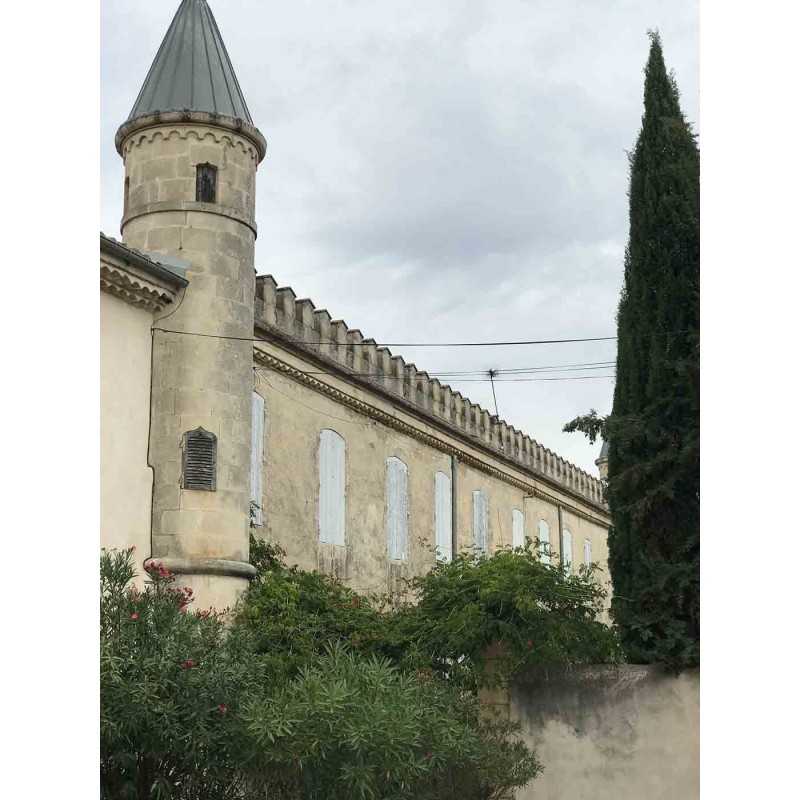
x: 443, y: 521
x: 566, y: 551
x: 397, y: 508
x: 517, y: 528
x: 480, y: 521
x: 543, y: 535
x: 587, y: 552
x: 199, y: 460
x: 257, y: 461
x: 331, y: 487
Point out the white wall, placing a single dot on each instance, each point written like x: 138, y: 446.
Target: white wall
x: 125, y: 479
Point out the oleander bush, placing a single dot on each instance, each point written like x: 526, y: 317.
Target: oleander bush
x: 294, y: 696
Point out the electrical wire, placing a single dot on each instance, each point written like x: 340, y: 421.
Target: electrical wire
x: 475, y: 372
x: 382, y: 376
x: 368, y: 343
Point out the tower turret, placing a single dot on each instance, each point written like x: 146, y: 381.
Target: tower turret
x: 191, y: 153
x: 602, y: 462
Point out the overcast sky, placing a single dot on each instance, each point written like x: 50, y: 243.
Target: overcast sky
x: 445, y: 171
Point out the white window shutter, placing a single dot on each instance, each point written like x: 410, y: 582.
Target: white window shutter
x: 257, y: 459
x: 587, y: 552
x: 544, y: 541
x: 396, y: 508
x: 443, y: 518
x: 480, y: 520
x: 517, y: 528
x: 331, y: 487
x: 566, y: 551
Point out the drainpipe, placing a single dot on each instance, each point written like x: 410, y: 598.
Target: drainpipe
x: 454, y: 503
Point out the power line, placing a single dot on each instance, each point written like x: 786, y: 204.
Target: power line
x: 382, y: 376
x: 480, y: 344
x: 472, y: 373
x: 392, y: 344
x: 534, y: 380
x: 586, y: 364
x: 465, y: 376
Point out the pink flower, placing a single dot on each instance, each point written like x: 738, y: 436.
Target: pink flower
x: 188, y: 664
x: 223, y: 709
x: 134, y: 616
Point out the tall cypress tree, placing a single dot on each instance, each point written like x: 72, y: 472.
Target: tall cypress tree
x: 654, y: 428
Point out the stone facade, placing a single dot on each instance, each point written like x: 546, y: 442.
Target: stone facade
x: 314, y: 374
x: 227, y: 339
x: 200, y: 378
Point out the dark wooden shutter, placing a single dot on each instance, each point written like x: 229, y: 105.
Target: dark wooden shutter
x: 200, y: 460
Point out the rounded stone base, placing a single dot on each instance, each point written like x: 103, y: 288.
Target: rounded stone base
x: 216, y: 583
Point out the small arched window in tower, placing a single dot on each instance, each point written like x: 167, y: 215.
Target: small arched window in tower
x: 206, y: 183
x: 200, y: 460
x: 127, y: 194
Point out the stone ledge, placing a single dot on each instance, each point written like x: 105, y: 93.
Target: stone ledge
x: 206, y: 566
x: 165, y: 206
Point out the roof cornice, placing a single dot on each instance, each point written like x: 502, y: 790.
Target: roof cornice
x: 187, y: 117
x: 137, y: 258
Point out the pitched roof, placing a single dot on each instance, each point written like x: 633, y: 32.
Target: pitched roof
x: 192, y: 70
x: 166, y: 268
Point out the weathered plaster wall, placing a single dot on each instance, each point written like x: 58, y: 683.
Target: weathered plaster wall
x: 294, y: 418
x: 125, y: 479
x: 295, y: 413
x: 611, y: 733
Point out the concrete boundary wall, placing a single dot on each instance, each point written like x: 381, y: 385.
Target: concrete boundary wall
x: 609, y: 733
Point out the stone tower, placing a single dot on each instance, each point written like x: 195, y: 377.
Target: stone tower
x: 191, y: 153
x: 602, y: 462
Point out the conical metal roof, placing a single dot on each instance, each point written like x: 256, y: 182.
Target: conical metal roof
x: 192, y: 70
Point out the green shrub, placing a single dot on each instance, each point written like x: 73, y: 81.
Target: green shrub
x: 193, y: 707
x: 354, y: 727
x: 171, y: 686
x: 526, y: 611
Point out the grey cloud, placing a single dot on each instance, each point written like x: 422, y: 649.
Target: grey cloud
x: 454, y: 170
